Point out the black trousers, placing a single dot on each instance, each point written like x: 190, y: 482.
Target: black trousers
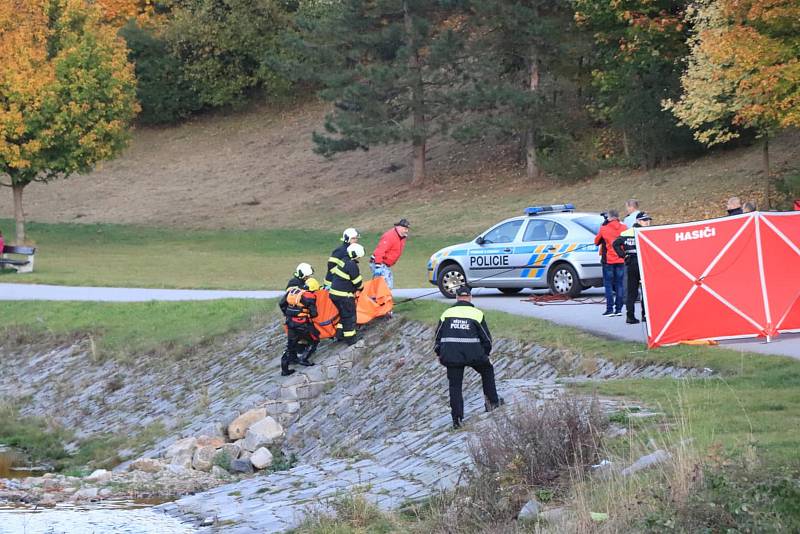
x: 455, y: 375
x: 347, y: 316
x: 632, y: 291
x: 296, y: 340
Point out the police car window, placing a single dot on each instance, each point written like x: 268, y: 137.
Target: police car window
x: 558, y: 233
x: 590, y: 222
x: 538, y: 230
x: 505, y: 233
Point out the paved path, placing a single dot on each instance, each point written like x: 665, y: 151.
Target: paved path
x: 585, y: 316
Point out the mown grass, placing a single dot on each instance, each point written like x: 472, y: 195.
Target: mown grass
x: 753, y: 400
x: 134, y: 256
x: 133, y: 328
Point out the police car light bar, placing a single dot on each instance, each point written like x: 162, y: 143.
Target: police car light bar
x: 554, y: 208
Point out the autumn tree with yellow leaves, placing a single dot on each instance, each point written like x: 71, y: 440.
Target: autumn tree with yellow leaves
x: 743, y: 71
x: 67, y: 93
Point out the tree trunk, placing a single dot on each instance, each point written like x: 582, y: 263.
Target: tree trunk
x: 418, y: 122
x: 626, y: 149
x: 533, y: 169
x: 19, y: 214
x: 765, y: 163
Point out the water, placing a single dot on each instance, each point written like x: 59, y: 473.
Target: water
x: 108, y: 517
x: 9, y: 462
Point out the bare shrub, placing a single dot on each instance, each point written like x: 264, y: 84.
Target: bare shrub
x: 538, y: 443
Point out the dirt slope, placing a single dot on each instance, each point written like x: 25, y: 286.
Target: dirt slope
x: 255, y: 169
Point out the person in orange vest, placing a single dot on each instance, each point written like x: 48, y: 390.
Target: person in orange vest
x: 388, y: 251
x: 299, y: 307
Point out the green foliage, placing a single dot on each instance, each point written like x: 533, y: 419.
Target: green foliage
x: 387, y: 67
x: 222, y: 459
x: 640, y: 50
x: 162, y: 88
x: 225, y: 47
x: 282, y: 461
x: 128, y: 328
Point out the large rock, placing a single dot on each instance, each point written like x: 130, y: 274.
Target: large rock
x: 233, y: 450
x: 238, y: 428
x: 99, y: 476
x: 209, y: 441
x: 180, y: 448
x: 203, y: 458
x: 214, y: 430
x: 263, y: 432
x: 85, y: 494
x: 646, y: 461
x: 147, y: 465
x: 241, y: 466
x: 530, y: 511
x: 218, y: 472
x: 262, y: 458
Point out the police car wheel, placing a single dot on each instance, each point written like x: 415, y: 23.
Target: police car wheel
x: 450, y: 278
x: 563, y: 280
x: 510, y: 290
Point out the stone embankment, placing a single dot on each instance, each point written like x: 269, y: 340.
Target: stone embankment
x: 372, y: 419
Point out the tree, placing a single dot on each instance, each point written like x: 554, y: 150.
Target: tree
x: 225, y: 46
x: 519, y: 61
x: 67, y: 93
x: 743, y: 72
x: 640, y: 50
x: 388, y: 67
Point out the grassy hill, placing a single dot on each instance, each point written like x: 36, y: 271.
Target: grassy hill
x: 256, y: 169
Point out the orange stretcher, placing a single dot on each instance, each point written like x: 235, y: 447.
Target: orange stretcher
x: 374, y: 301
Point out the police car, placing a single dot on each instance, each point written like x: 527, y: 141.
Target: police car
x: 548, y: 246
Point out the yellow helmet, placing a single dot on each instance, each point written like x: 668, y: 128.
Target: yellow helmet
x: 312, y: 284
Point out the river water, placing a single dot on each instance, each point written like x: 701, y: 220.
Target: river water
x: 108, y: 517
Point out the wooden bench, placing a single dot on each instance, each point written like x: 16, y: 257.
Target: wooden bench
x: 21, y: 265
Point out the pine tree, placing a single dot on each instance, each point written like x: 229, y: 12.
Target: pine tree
x: 388, y: 67
x: 521, y: 60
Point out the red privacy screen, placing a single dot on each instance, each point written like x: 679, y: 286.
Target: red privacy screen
x: 721, y: 278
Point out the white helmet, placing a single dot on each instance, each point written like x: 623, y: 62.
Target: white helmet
x: 304, y: 270
x: 349, y: 234
x: 355, y: 251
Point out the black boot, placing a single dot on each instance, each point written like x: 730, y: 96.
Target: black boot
x: 457, y: 421
x: 285, y: 361
x: 305, y: 362
x: 492, y: 406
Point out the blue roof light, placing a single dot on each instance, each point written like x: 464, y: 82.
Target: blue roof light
x: 554, y: 208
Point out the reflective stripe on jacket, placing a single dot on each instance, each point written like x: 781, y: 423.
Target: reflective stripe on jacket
x: 345, y: 281
x: 462, y: 337
x: 337, y: 258
x: 625, y: 246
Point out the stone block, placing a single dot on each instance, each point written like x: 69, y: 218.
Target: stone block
x: 147, y: 465
x: 214, y: 429
x: 218, y: 472
x: 646, y: 461
x: 238, y: 428
x: 99, y: 476
x: 85, y: 494
x: 209, y: 441
x: 263, y: 432
x: 180, y: 448
x: 261, y: 458
x: 203, y: 457
x: 233, y: 450
x: 241, y: 466
x: 530, y: 511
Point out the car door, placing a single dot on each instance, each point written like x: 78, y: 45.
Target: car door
x: 542, y: 240
x: 489, y: 263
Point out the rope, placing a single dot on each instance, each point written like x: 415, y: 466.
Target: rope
x: 534, y: 265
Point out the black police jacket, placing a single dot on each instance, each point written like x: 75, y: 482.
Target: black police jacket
x: 625, y: 245
x: 462, y: 337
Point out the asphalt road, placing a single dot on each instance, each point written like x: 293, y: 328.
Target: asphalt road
x: 586, y: 316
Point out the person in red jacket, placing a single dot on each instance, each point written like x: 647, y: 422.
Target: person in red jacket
x: 388, y: 251
x: 613, y: 265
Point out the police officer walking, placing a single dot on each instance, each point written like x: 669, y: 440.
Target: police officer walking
x: 625, y: 247
x: 463, y: 340
x: 346, y: 281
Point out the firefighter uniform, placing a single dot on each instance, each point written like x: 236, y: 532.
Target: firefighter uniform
x: 345, y: 282
x: 337, y: 258
x: 299, y: 307
x: 625, y: 247
x: 463, y: 340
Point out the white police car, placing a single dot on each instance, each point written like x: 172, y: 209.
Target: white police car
x: 549, y: 246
